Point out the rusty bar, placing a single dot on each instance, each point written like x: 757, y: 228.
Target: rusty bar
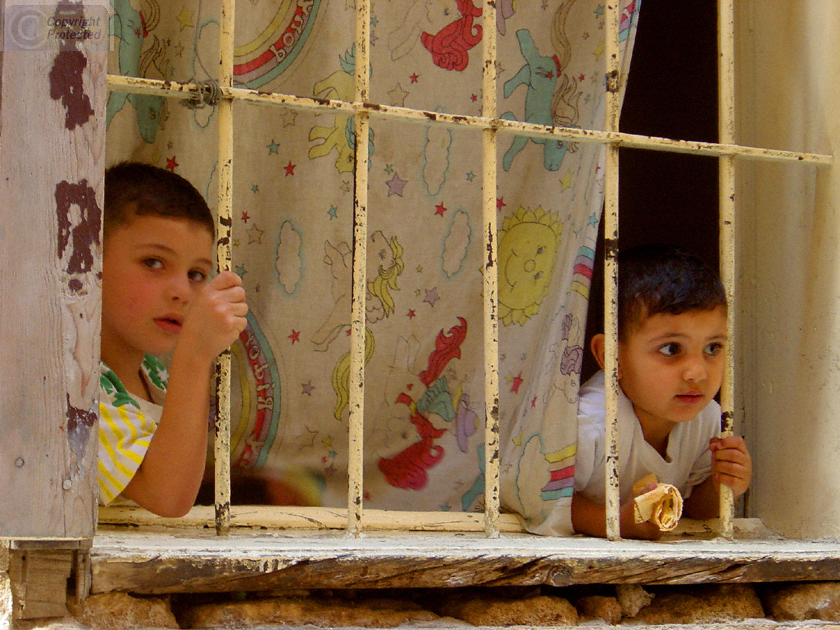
x: 726, y: 195
x: 221, y: 445
x: 612, y: 496
x: 491, y: 323
x: 317, y: 518
x: 355, y: 464
x: 633, y: 141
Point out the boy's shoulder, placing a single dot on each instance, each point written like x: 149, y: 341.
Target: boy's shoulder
x: 155, y: 371
x: 112, y: 390
x: 591, y: 396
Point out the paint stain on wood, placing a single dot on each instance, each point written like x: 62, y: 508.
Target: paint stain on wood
x: 82, y: 234
x: 67, y: 85
x: 79, y: 424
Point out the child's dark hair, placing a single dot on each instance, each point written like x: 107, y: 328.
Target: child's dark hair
x: 654, y: 279
x: 136, y: 189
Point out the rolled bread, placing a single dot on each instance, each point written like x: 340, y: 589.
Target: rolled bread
x: 662, y: 506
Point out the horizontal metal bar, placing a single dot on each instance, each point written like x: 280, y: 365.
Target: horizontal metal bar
x: 569, y: 134
x: 284, y: 517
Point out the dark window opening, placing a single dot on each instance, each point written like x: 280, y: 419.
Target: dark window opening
x: 672, y: 93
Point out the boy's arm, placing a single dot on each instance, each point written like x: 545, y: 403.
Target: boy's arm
x: 591, y: 519
x: 168, y: 480
x: 732, y: 466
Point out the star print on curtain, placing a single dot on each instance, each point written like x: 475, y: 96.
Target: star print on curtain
x: 293, y: 229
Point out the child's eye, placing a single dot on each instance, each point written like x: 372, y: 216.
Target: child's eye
x: 714, y: 348
x: 197, y: 275
x: 670, y: 349
x: 153, y: 263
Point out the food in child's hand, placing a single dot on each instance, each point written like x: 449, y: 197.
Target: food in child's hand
x: 662, y: 506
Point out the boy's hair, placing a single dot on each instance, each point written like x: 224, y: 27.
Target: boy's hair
x: 136, y: 189
x: 654, y: 279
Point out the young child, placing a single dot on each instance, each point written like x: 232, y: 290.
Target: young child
x: 672, y: 340
x: 157, y: 298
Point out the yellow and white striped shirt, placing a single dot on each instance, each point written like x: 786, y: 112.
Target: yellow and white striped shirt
x: 126, y: 426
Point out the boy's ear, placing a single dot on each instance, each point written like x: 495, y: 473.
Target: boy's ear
x: 597, y: 347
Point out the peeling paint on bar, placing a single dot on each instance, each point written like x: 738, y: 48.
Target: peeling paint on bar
x: 726, y: 196
x: 612, y: 497
x: 626, y: 140
x: 355, y: 463
x: 491, y: 323
x: 221, y: 447
x: 316, y: 518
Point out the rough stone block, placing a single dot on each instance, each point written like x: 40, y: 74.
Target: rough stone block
x: 497, y: 611
x: 703, y: 604
x: 796, y: 602
x: 121, y: 611
x: 382, y: 613
x: 632, y: 598
x: 599, y: 607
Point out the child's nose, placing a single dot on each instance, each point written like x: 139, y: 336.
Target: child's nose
x: 180, y: 289
x: 695, y: 369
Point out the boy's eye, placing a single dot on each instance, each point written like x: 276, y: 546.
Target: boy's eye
x: 670, y: 349
x: 714, y: 348
x: 197, y: 275
x: 153, y: 263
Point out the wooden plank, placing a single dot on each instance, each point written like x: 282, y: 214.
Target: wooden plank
x: 52, y: 149
x: 172, y: 561
x: 39, y: 582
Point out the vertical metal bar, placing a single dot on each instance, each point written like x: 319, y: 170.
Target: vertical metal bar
x: 726, y: 131
x: 613, y: 81
x: 355, y: 464
x: 221, y: 446
x: 491, y: 324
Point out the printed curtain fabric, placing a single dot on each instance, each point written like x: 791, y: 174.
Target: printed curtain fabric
x: 293, y: 230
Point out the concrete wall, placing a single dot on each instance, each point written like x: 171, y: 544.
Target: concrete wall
x: 789, y: 342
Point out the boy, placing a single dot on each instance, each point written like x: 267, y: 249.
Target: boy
x: 672, y: 339
x: 157, y: 298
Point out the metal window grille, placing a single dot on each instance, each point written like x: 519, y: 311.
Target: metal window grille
x: 356, y: 518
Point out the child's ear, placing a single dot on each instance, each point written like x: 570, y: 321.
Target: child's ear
x: 597, y: 347
x: 598, y: 350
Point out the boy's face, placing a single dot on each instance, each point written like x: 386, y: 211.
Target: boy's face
x: 152, y: 268
x: 671, y: 366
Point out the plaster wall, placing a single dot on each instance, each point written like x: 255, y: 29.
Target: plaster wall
x: 789, y: 323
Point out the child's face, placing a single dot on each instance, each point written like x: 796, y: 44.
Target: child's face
x: 672, y: 365
x: 152, y: 268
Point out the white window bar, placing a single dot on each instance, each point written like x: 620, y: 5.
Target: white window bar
x: 188, y: 91
x: 726, y: 204
x: 613, y: 83
x: 355, y: 465
x: 491, y: 304
x: 221, y: 446
x: 493, y: 522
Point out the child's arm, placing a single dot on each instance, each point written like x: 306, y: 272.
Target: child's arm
x: 732, y: 466
x: 591, y: 519
x: 168, y: 480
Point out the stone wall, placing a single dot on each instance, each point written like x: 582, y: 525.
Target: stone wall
x: 538, y: 606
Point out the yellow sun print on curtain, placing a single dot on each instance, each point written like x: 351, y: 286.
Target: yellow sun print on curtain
x: 528, y: 243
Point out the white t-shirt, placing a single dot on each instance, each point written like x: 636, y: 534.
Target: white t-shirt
x: 689, y: 460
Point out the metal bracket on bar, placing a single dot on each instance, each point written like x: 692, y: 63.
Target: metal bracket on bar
x: 207, y: 93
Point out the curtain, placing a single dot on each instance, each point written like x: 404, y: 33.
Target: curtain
x: 293, y: 226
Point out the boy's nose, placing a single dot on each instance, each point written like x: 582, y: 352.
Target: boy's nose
x: 695, y: 369
x: 179, y: 289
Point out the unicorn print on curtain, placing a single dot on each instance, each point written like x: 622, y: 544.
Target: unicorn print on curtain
x: 293, y: 179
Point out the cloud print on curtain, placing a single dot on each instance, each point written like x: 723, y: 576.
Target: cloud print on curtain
x: 293, y: 179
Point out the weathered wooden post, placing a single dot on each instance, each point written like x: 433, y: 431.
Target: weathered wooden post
x: 52, y: 151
